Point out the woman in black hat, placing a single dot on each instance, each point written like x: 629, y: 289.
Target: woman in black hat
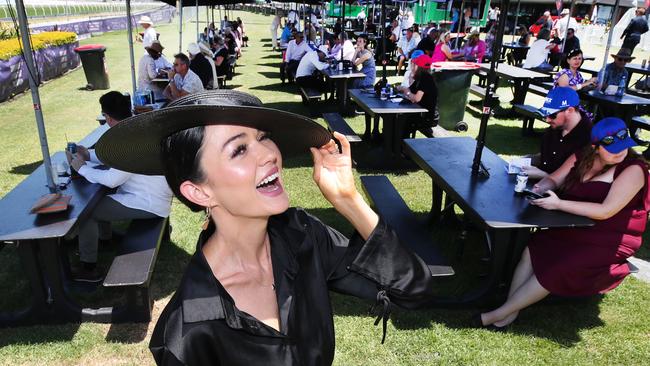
x: 257, y: 289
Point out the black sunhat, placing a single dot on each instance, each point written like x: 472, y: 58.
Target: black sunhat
x: 133, y: 145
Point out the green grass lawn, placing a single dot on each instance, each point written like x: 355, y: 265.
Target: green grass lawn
x: 612, y: 329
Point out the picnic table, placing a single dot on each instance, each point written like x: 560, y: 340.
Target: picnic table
x: 393, y: 123
x: 490, y: 204
x: 521, y: 78
x: 627, y: 105
x: 38, y: 241
x: 341, y: 78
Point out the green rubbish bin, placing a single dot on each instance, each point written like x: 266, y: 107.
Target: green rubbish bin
x: 453, y: 80
x: 94, y: 64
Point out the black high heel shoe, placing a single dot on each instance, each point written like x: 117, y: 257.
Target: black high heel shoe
x: 477, y: 322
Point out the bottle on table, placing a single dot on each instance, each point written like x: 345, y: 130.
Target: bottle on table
x: 621, y: 87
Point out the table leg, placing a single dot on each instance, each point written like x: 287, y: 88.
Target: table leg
x: 62, y: 308
x: 436, y: 203
x: 36, y: 312
x: 521, y: 88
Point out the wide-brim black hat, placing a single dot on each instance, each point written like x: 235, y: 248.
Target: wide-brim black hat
x: 134, y: 144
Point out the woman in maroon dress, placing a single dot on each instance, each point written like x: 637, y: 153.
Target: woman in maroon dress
x: 607, y: 182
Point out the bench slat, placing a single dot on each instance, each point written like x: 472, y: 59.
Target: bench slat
x: 397, y: 214
x: 134, y: 262
x: 335, y: 122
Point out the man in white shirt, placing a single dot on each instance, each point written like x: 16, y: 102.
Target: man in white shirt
x: 561, y: 23
x: 407, y: 44
x: 137, y: 196
x: 538, y: 52
x: 275, y: 23
x: 296, y: 48
x: 182, y: 80
x: 148, y: 69
x: 149, y: 34
x: 312, y: 61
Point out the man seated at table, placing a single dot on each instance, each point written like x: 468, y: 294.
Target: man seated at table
x: 310, y: 62
x: 182, y: 80
x: 406, y: 45
x: 199, y: 64
x: 296, y: 48
x: 137, y: 196
x: 148, y: 69
x: 569, y: 131
x: 616, y: 70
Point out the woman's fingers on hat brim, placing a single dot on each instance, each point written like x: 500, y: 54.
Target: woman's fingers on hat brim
x: 345, y: 144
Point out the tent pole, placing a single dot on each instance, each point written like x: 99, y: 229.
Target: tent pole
x: 180, y: 27
x: 196, y: 7
x: 130, y: 36
x: 514, y: 28
x: 611, y: 33
x: 36, y: 99
x: 488, y: 102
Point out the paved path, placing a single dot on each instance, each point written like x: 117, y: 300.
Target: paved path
x: 644, y: 269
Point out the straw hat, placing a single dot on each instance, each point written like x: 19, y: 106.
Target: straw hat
x: 134, y: 144
x: 145, y: 20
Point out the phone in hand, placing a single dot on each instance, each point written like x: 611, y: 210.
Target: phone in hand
x: 533, y: 195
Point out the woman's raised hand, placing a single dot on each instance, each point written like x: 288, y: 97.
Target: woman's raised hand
x: 333, y: 170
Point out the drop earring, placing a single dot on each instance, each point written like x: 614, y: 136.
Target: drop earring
x: 206, y: 221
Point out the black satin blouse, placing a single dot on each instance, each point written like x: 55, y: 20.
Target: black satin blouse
x: 202, y: 326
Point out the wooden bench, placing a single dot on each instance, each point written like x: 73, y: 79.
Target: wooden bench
x: 232, y: 62
x: 133, y: 266
x: 310, y: 96
x: 335, y: 122
x: 529, y: 114
x: 636, y: 124
x: 479, y: 91
x: 412, y: 233
x: 540, y: 88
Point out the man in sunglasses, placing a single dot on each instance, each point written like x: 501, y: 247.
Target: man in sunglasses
x: 569, y: 131
x: 615, y: 71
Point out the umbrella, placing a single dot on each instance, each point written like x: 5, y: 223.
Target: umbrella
x: 33, y: 87
x: 488, y: 102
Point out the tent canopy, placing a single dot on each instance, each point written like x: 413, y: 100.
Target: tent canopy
x: 187, y: 3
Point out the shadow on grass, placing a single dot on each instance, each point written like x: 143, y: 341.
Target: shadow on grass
x: 270, y: 74
x: 269, y: 57
x: 507, y: 140
x: 265, y: 40
x: 231, y: 86
x: 40, y: 334
x: 25, y: 169
x: 127, y: 333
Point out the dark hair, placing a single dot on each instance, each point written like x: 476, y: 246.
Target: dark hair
x: 182, y: 58
x: 573, y: 53
x: 116, y: 105
x: 181, y: 154
x: 544, y: 34
x: 364, y: 36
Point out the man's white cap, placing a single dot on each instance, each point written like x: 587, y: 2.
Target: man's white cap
x: 565, y: 11
x: 547, y: 13
x: 193, y: 49
x: 145, y: 20
x: 323, y: 49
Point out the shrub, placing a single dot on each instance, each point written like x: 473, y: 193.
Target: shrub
x: 11, y: 47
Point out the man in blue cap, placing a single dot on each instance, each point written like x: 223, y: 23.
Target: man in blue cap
x: 569, y: 131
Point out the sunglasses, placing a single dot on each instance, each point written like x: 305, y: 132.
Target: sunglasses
x: 554, y: 115
x: 610, y: 139
x: 619, y: 59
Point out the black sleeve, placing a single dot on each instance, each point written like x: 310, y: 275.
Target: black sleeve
x: 363, y: 268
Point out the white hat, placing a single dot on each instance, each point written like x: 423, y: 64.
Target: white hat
x: 323, y: 49
x: 145, y: 20
x: 565, y: 11
x: 193, y: 49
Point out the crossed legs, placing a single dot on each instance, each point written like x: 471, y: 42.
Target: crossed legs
x: 524, y: 291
